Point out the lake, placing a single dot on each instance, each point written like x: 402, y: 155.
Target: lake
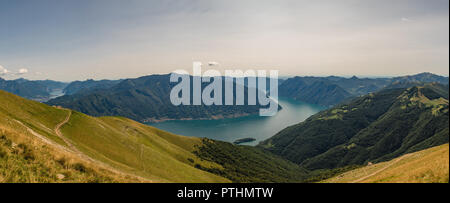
x: 255, y: 126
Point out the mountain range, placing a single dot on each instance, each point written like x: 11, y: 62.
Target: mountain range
x: 332, y: 90
x: 147, y: 99
x: 371, y: 128
x: 39, y: 90
x: 87, y: 86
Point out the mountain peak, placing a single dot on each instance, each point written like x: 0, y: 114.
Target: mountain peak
x: 426, y: 74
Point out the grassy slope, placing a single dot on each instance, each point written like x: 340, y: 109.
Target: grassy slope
x: 131, y: 148
x: 121, y: 143
x: 430, y: 165
x: 138, y: 149
x: 25, y: 158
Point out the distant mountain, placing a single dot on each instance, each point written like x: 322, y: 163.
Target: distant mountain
x: 313, y: 90
x: 89, y: 86
x: 146, y: 99
x: 39, y: 90
x: 361, y: 86
x: 422, y: 77
x: 376, y: 127
x: 332, y: 90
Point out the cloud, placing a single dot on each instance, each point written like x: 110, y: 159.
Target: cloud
x: 3, y: 71
x: 213, y: 63
x: 22, y: 71
x: 406, y: 19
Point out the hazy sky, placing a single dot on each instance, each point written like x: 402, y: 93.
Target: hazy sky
x: 80, y: 39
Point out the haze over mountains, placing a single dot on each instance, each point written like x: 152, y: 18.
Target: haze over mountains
x: 87, y: 86
x: 147, y: 98
x: 39, y: 90
x: 316, y: 90
x: 329, y: 91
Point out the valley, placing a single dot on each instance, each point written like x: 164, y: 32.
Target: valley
x: 253, y: 126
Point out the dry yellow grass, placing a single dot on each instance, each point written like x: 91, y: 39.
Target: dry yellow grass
x: 426, y: 166
x: 25, y: 158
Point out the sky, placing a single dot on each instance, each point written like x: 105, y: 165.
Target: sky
x: 109, y: 39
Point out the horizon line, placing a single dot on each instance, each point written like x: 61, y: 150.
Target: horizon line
x: 280, y: 76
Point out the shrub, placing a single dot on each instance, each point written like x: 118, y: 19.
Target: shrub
x: 80, y: 167
x: 2, y: 153
x: 62, y: 161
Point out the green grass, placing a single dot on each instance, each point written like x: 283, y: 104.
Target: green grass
x: 123, y: 144
x: 138, y: 148
x: 37, y: 116
x: 22, y: 162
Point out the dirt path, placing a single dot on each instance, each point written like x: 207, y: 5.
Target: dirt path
x: 58, y: 131
x: 72, y: 149
x: 382, y: 169
x: 84, y: 156
x: 44, y: 139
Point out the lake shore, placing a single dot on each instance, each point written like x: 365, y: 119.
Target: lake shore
x: 214, y: 117
x: 241, y: 126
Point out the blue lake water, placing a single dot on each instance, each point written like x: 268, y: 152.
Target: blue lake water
x: 254, y: 126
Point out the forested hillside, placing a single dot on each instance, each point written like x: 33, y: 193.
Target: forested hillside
x: 376, y: 127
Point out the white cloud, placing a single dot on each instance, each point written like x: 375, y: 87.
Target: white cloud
x: 22, y: 71
x: 213, y: 63
x: 406, y: 20
x: 3, y: 71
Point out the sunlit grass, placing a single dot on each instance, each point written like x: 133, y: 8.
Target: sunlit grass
x: 427, y: 166
x: 134, y: 149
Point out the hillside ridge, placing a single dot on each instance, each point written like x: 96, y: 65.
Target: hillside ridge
x: 372, y: 128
